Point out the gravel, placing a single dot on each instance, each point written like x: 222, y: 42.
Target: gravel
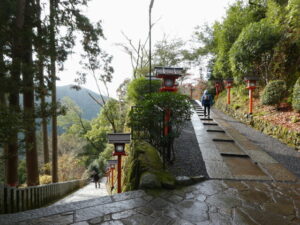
x: 284, y: 154
x: 188, y: 159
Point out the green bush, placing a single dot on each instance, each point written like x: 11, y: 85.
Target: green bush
x: 147, y: 117
x: 138, y: 88
x: 296, y: 96
x: 274, y: 92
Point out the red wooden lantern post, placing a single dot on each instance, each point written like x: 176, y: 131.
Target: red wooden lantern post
x: 218, y: 87
x: 228, y: 85
x: 112, y: 168
x: 112, y: 164
x: 251, y: 85
x: 169, y: 76
x: 119, y: 140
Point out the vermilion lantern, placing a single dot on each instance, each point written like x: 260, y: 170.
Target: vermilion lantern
x: 119, y: 140
x: 251, y: 85
x: 251, y: 82
x: 228, y: 84
x: 218, y: 85
x: 169, y: 76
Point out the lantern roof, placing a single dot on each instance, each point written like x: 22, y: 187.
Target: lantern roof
x: 112, y: 162
x: 119, y: 138
x: 168, y: 71
x: 251, y: 78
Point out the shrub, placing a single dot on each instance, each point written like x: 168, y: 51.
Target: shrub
x: 274, y: 92
x: 138, y: 88
x: 296, y: 96
x: 148, y: 116
x: 45, y: 179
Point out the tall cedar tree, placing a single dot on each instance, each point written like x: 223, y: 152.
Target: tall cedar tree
x: 28, y: 98
x: 40, y: 44
x: 52, y: 4
x: 12, y: 157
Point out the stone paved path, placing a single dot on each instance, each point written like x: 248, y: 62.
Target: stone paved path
x: 236, y: 194
x: 85, y: 193
x: 212, y: 202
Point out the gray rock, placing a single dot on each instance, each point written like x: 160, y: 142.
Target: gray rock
x: 149, y: 181
x: 184, y: 180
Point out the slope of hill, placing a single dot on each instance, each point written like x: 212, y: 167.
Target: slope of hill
x: 88, y: 106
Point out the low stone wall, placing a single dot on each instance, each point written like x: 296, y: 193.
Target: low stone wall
x: 20, y: 199
x: 285, y: 135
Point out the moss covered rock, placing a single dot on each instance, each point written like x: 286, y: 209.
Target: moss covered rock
x: 149, y: 181
x: 144, y: 169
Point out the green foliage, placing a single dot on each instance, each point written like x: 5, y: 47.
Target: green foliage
x: 296, y: 96
x: 138, y: 88
x: 22, y: 176
x: 253, y: 50
x: 148, y: 116
x: 274, y: 92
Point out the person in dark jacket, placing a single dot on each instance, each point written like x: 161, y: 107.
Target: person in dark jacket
x: 96, y: 179
x: 206, y: 101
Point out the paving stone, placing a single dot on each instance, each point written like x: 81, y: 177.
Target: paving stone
x: 262, y: 217
x: 91, y: 212
x: 158, y: 203
x: 122, y: 215
x: 281, y: 209
x: 128, y: 195
x: 139, y: 219
x: 96, y: 220
x: 217, y: 218
x: 80, y: 223
x: 144, y: 210
x: 193, y: 211
x: 50, y: 220
x: 253, y: 196
x: 240, y: 218
x: 222, y: 200
x: 218, y: 169
x: 115, y: 222
x: 278, y: 172
x: 163, y: 220
x: 241, y: 186
x: 175, y: 199
x: 261, y: 157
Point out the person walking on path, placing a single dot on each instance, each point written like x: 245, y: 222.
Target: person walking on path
x: 96, y: 179
x: 206, y: 101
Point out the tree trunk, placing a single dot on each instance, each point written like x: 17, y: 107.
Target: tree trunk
x: 42, y: 88
x: 53, y: 89
x: 3, y: 105
x: 12, y: 157
x: 28, y: 99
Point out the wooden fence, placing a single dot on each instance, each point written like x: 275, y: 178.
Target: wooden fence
x: 20, y: 199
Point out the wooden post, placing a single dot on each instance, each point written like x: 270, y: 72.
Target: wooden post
x: 250, y: 101
x: 228, y: 96
x: 112, y: 177
x: 119, y: 173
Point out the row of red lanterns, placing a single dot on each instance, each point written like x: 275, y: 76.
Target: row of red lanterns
x: 251, y: 85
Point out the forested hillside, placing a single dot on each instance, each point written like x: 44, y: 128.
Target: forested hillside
x: 89, y: 107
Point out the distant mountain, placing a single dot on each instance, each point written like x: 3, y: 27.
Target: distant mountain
x: 89, y: 107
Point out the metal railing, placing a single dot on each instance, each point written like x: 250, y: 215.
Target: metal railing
x: 14, y: 199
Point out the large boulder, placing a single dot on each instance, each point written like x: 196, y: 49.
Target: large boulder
x: 149, y: 181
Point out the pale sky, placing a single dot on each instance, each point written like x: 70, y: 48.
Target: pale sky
x: 176, y: 19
